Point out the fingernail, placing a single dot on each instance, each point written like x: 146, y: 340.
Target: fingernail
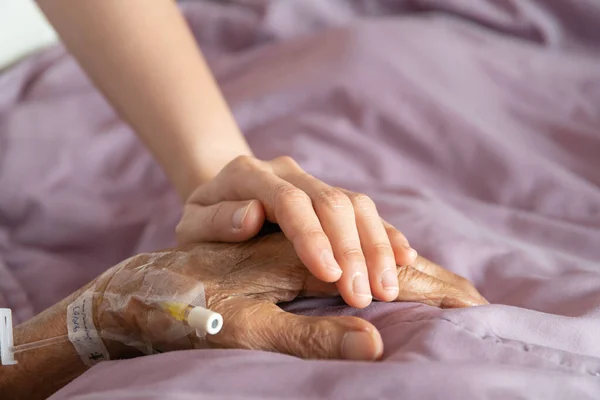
x: 360, y: 285
x: 329, y: 261
x: 389, y: 280
x: 358, y: 346
x: 239, y: 215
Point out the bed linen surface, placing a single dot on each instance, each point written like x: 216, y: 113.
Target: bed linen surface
x: 474, y: 125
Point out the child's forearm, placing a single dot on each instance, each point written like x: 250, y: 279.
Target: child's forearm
x: 143, y: 57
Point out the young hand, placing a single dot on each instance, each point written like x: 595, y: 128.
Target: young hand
x: 338, y: 234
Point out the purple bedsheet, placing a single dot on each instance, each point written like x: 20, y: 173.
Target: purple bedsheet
x: 474, y: 125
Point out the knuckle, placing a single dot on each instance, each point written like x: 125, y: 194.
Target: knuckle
x: 243, y: 162
x: 317, y: 340
x: 381, y: 249
x: 363, y: 202
x: 353, y: 252
x: 309, y: 235
x: 286, y: 196
x: 314, y: 234
x: 286, y: 161
x: 333, y: 199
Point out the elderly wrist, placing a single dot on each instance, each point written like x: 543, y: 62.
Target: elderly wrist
x: 105, y: 324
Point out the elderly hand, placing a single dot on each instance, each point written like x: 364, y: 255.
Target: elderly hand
x: 337, y: 234
x: 244, y: 282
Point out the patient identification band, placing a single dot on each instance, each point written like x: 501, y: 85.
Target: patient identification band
x: 83, y: 333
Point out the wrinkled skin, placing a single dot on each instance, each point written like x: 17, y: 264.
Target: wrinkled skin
x: 338, y: 234
x: 244, y: 282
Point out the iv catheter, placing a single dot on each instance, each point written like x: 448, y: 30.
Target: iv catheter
x: 202, y: 320
x: 7, y: 356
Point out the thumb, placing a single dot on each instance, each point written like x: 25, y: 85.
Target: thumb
x: 227, y: 221
x: 260, y: 325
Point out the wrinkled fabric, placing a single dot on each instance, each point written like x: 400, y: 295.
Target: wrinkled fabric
x: 475, y: 126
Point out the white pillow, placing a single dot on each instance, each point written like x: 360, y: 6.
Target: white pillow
x: 23, y: 30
